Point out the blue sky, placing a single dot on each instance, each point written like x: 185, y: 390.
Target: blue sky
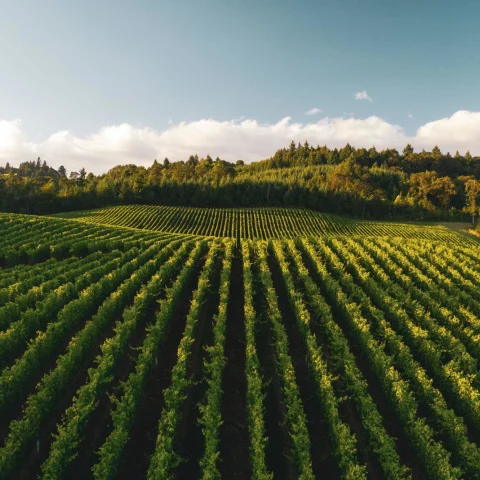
x: 79, y: 67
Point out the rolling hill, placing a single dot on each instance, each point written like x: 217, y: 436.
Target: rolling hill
x: 252, y: 223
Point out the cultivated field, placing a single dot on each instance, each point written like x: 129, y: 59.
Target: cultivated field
x: 335, y: 349
x: 253, y: 223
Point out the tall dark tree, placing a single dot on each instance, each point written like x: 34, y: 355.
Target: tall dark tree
x: 436, y: 153
x: 408, y: 150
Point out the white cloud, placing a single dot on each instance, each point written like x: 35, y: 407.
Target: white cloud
x: 245, y: 139
x: 363, y: 96
x: 313, y: 111
x: 12, y: 140
x: 459, y: 132
x: 410, y: 115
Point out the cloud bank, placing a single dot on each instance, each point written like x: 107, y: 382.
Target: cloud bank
x: 245, y: 139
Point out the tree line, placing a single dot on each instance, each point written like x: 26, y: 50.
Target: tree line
x: 351, y: 181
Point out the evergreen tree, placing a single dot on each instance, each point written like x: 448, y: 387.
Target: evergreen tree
x: 436, y: 153
x: 408, y: 150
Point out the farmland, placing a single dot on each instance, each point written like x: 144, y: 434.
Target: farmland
x: 173, y: 342
x: 252, y: 223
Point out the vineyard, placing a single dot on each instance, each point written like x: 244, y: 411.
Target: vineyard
x: 280, y: 344
x: 252, y: 223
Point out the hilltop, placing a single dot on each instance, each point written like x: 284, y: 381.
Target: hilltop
x: 359, y: 183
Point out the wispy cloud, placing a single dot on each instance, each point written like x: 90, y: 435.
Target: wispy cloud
x: 363, y: 95
x: 313, y: 111
x: 245, y: 139
x: 410, y: 115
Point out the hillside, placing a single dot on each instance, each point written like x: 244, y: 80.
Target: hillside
x: 134, y: 353
x: 252, y: 223
x: 355, y: 182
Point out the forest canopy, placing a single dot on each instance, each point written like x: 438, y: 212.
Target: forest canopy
x: 350, y: 181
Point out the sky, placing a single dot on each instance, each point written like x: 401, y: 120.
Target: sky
x: 98, y: 83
